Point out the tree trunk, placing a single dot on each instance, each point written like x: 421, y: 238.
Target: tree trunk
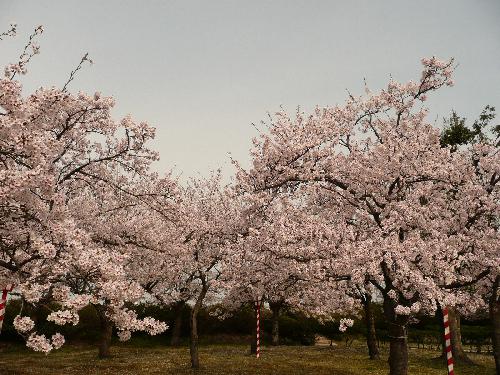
x: 459, y: 355
x: 457, y: 350
x: 439, y: 316
x: 276, y: 309
x: 371, y: 333
x: 177, y: 326
x: 193, y: 344
x: 253, y: 342
x: 105, y: 334
x: 495, y: 321
x: 398, y: 343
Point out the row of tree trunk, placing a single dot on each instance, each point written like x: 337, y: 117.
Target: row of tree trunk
x: 397, y: 333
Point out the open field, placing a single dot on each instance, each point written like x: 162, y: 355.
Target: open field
x: 222, y: 359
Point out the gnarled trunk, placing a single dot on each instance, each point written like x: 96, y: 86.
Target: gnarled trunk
x: 275, y: 309
x: 494, y: 307
x: 177, y: 326
x: 106, y: 332
x: 371, y: 333
x: 193, y: 344
x: 398, y: 342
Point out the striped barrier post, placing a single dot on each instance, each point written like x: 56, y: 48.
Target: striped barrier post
x: 257, y: 308
x: 3, y: 303
x: 447, y: 338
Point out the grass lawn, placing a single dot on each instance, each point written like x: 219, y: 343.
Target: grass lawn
x: 222, y: 359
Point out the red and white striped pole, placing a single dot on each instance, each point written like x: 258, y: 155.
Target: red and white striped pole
x: 3, y: 303
x: 257, y: 347
x: 447, y: 338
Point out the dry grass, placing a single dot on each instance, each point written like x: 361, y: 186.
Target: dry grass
x: 221, y: 359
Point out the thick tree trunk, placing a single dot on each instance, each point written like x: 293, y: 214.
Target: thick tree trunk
x: 459, y: 355
x: 193, y: 344
x: 495, y: 321
x: 177, y: 326
x: 105, y: 334
x: 276, y: 309
x: 398, y: 343
x: 371, y: 333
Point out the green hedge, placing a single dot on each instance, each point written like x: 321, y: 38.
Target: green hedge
x: 295, y: 328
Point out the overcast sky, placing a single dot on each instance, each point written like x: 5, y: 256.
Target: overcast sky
x: 202, y: 71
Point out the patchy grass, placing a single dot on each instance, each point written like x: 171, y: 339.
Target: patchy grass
x: 221, y: 359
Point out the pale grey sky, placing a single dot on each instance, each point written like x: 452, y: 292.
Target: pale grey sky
x: 202, y: 71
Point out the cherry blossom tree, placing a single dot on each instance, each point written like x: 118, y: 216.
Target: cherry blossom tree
x: 287, y: 259
x: 156, y: 237
x: 477, y: 253
x: 262, y: 272
x: 381, y: 162
x: 211, y: 217
x: 474, y: 208
x: 125, y: 226
x: 57, y: 149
